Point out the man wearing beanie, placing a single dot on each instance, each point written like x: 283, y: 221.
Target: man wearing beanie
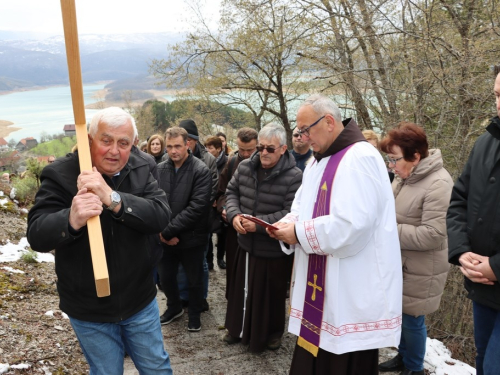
x: 199, y: 151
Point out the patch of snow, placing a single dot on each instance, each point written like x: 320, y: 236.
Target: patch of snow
x: 3, y: 202
x: 12, y: 270
x: 13, y: 193
x: 439, y: 362
x: 12, y: 252
x: 4, y: 367
x: 1, y: 193
x: 21, y: 366
x: 49, y: 313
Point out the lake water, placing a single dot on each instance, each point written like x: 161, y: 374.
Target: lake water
x: 46, y: 110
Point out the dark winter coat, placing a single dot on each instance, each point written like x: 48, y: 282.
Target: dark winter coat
x: 209, y: 160
x: 221, y: 163
x: 473, y: 218
x: 188, y: 192
x: 269, y: 200
x: 144, y: 212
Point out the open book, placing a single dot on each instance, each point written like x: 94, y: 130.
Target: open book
x: 262, y: 223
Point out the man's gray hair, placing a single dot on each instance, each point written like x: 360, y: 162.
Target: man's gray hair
x: 273, y: 130
x: 323, y: 105
x: 114, y: 117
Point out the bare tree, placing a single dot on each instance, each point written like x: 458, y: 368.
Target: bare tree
x: 249, y: 62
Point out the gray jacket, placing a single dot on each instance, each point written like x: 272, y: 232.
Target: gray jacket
x: 269, y: 200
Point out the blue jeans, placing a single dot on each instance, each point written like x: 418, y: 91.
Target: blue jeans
x: 487, y: 339
x: 104, y: 344
x: 412, y: 344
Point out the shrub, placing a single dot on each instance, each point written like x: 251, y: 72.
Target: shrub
x: 26, y: 189
x: 29, y: 256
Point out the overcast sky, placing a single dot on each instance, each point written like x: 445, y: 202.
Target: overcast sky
x: 101, y: 16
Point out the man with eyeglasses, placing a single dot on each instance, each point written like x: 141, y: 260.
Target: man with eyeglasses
x: 263, y: 186
x: 301, y: 150
x: 347, y: 284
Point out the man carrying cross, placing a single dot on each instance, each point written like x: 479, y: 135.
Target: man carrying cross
x: 123, y: 193
x: 347, y: 283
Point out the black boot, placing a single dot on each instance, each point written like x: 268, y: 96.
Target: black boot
x: 409, y: 372
x: 395, y: 364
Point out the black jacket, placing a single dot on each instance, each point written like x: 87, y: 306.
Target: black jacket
x: 188, y: 192
x: 144, y: 212
x: 269, y: 200
x: 473, y: 218
x: 209, y: 160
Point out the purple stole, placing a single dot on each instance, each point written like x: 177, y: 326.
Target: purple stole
x: 312, y: 316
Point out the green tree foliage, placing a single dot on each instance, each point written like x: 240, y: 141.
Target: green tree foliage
x: 159, y: 112
x: 26, y: 189
x: 57, y: 147
x: 156, y: 116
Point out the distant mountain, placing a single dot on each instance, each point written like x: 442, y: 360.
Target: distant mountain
x: 103, y: 58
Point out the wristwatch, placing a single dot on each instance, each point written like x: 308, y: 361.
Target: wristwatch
x: 115, y: 200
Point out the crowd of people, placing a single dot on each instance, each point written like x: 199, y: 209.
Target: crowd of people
x: 359, y: 244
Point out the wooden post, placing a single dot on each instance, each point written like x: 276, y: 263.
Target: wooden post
x: 75, y: 80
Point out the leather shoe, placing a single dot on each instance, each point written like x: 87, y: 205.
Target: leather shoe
x: 409, y: 372
x: 169, y: 316
x: 394, y: 364
x: 230, y: 340
x: 274, y: 344
x: 221, y: 264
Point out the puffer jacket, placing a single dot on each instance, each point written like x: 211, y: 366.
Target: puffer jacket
x: 188, y: 192
x: 474, y: 215
x: 421, y: 203
x: 269, y: 200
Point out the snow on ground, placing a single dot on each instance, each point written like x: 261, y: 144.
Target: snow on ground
x: 439, y: 362
x: 11, y: 252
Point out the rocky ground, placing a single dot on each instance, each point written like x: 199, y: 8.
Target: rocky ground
x: 35, y: 337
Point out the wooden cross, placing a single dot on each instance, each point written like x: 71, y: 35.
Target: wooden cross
x: 99, y: 264
x: 314, y: 286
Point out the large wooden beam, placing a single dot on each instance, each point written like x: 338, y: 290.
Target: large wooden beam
x: 75, y: 80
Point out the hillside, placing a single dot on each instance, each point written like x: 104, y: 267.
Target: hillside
x: 31, y: 63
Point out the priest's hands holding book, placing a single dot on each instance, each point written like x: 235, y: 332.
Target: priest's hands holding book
x: 285, y: 232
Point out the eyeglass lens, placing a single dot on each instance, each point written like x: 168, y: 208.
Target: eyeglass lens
x: 268, y: 149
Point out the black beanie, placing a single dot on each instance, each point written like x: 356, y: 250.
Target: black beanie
x: 190, y: 126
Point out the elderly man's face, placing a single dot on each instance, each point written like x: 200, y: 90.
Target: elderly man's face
x: 270, y: 159
x: 110, y: 147
x: 318, y: 134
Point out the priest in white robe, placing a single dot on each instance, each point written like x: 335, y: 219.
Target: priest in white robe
x: 346, y: 297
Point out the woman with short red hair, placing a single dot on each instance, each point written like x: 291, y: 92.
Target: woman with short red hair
x: 422, y: 191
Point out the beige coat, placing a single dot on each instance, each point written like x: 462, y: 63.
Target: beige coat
x: 421, y: 204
